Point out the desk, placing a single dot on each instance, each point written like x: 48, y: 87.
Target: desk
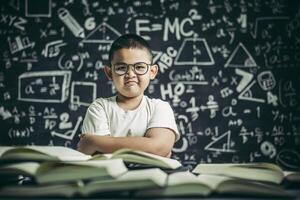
x: 292, y: 190
x: 295, y: 196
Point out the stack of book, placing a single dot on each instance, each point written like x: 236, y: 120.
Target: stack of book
x: 64, y: 172
x: 61, y: 171
x: 243, y: 179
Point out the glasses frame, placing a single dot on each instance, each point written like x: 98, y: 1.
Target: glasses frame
x: 134, y: 65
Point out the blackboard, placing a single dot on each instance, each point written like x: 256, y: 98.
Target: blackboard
x: 229, y: 69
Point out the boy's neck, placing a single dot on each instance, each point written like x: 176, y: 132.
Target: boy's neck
x: 129, y: 103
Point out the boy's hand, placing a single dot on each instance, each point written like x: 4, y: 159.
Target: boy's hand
x: 86, y: 145
x: 169, y: 155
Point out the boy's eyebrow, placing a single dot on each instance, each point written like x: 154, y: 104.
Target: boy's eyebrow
x: 120, y: 63
x: 130, y: 63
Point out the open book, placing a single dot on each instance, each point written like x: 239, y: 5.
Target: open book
x: 188, y: 184
x: 40, y: 153
x: 135, y: 156
x: 266, y: 172
x: 291, y: 179
x: 132, y: 180
x: 292, y: 176
x: 50, y: 172
x: 59, y: 153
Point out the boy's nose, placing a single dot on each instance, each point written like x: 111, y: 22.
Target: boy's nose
x: 130, y: 71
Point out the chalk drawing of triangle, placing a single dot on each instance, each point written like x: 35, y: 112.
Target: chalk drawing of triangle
x: 104, y: 33
x: 240, y: 58
x: 247, y: 94
x: 220, y: 144
x: 194, y: 51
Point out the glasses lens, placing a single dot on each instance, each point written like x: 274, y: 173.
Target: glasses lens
x: 120, y: 69
x: 141, y: 68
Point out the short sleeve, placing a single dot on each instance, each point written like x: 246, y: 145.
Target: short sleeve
x: 163, y: 117
x: 95, y: 121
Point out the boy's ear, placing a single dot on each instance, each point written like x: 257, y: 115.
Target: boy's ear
x: 153, y: 71
x: 108, y: 72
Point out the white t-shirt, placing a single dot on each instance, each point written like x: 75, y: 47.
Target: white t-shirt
x: 105, y: 117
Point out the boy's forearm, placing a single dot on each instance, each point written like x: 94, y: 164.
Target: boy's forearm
x: 158, y: 141
x: 110, y: 144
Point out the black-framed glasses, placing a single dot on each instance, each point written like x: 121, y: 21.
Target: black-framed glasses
x: 139, y: 68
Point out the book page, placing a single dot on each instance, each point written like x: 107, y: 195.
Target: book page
x: 146, y: 158
x: 24, y: 168
x: 3, y: 149
x: 56, y: 152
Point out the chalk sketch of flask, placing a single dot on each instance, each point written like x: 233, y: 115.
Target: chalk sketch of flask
x: 70, y: 22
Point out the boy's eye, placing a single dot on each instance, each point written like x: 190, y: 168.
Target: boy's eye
x: 121, y: 67
x: 140, y: 66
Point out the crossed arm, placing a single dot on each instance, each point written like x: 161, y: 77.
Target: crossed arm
x: 158, y: 141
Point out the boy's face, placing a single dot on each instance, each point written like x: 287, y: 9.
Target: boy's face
x: 131, y: 84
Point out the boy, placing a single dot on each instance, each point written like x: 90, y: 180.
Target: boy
x: 129, y: 119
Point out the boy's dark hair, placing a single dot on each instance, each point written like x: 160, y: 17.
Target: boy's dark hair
x: 129, y: 41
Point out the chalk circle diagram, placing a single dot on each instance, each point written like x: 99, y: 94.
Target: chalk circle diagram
x: 289, y: 159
